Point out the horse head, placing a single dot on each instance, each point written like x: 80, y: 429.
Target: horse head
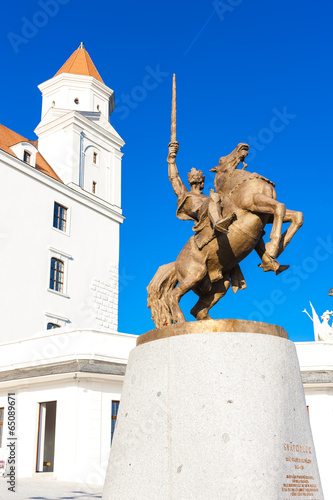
x: 231, y: 161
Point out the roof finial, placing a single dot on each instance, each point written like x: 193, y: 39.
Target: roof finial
x: 81, y: 45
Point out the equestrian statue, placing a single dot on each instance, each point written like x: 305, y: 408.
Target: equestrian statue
x: 228, y: 225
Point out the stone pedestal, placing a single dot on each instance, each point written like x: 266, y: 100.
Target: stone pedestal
x: 214, y: 415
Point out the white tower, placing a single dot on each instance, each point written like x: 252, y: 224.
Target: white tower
x: 69, y: 185
x: 75, y: 135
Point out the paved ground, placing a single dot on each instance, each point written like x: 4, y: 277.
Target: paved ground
x: 48, y: 489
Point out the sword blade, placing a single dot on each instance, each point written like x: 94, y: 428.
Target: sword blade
x: 173, y: 110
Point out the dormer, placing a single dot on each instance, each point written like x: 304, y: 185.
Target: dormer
x: 26, y: 152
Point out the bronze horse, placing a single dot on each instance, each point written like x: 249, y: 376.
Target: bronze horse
x: 211, y: 270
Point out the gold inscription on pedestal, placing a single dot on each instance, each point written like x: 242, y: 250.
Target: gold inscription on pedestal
x: 297, y: 447
x: 297, y: 483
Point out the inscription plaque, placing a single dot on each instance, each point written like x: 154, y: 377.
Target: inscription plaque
x: 299, y: 481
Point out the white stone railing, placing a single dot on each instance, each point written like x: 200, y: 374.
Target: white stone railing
x: 63, y: 345
x: 315, y: 355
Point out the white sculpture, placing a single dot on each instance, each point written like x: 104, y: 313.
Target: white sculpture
x: 322, y: 331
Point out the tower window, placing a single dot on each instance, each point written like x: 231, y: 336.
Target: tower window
x: 114, y: 413
x: 27, y: 157
x: 97, y: 107
x: 51, y: 326
x: 94, y: 187
x: 59, y: 217
x: 76, y: 100
x: 95, y: 158
x: 57, y: 275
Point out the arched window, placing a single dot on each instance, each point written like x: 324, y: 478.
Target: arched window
x: 57, y: 275
x: 51, y: 326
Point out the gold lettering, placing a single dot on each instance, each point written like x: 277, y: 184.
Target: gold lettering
x: 299, y: 485
x: 296, y: 447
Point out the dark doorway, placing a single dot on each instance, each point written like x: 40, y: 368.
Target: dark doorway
x: 46, y: 436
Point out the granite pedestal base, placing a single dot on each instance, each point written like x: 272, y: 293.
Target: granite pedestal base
x: 214, y: 415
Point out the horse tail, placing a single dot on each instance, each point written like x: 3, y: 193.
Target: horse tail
x: 164, y: 280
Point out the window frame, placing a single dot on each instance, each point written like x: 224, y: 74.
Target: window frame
x: 57, y: 217
x: 61, y: 321
x: 68, y: 217
x: 58, y: 278
x: 65, y: 258
x: 27, y: 154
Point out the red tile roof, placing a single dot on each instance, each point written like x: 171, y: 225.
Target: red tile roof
x: 80, y: 63
x: 10, y: 138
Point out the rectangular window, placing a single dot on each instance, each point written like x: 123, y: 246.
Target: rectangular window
x: 59, y: 217
x: 57, y: 275
x: 26, y: 157
x: 2, y: 411
x: 114, y: 413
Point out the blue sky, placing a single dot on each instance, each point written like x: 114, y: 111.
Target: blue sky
x: 238, y: 64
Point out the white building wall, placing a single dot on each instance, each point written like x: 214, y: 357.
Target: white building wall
x: 95, y: 400
x: 83, y: 415
x: 320, y: 403
x: 316, y: 362
x: 68, y: 140
x: 90, y: 250
x: 83, y: 426
x: 69, y: 133
x: 65, y: 159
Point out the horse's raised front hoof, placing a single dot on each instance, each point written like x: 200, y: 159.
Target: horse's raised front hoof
x: 269, y: 267
x: 273, y: 265
x: 281, y: 269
